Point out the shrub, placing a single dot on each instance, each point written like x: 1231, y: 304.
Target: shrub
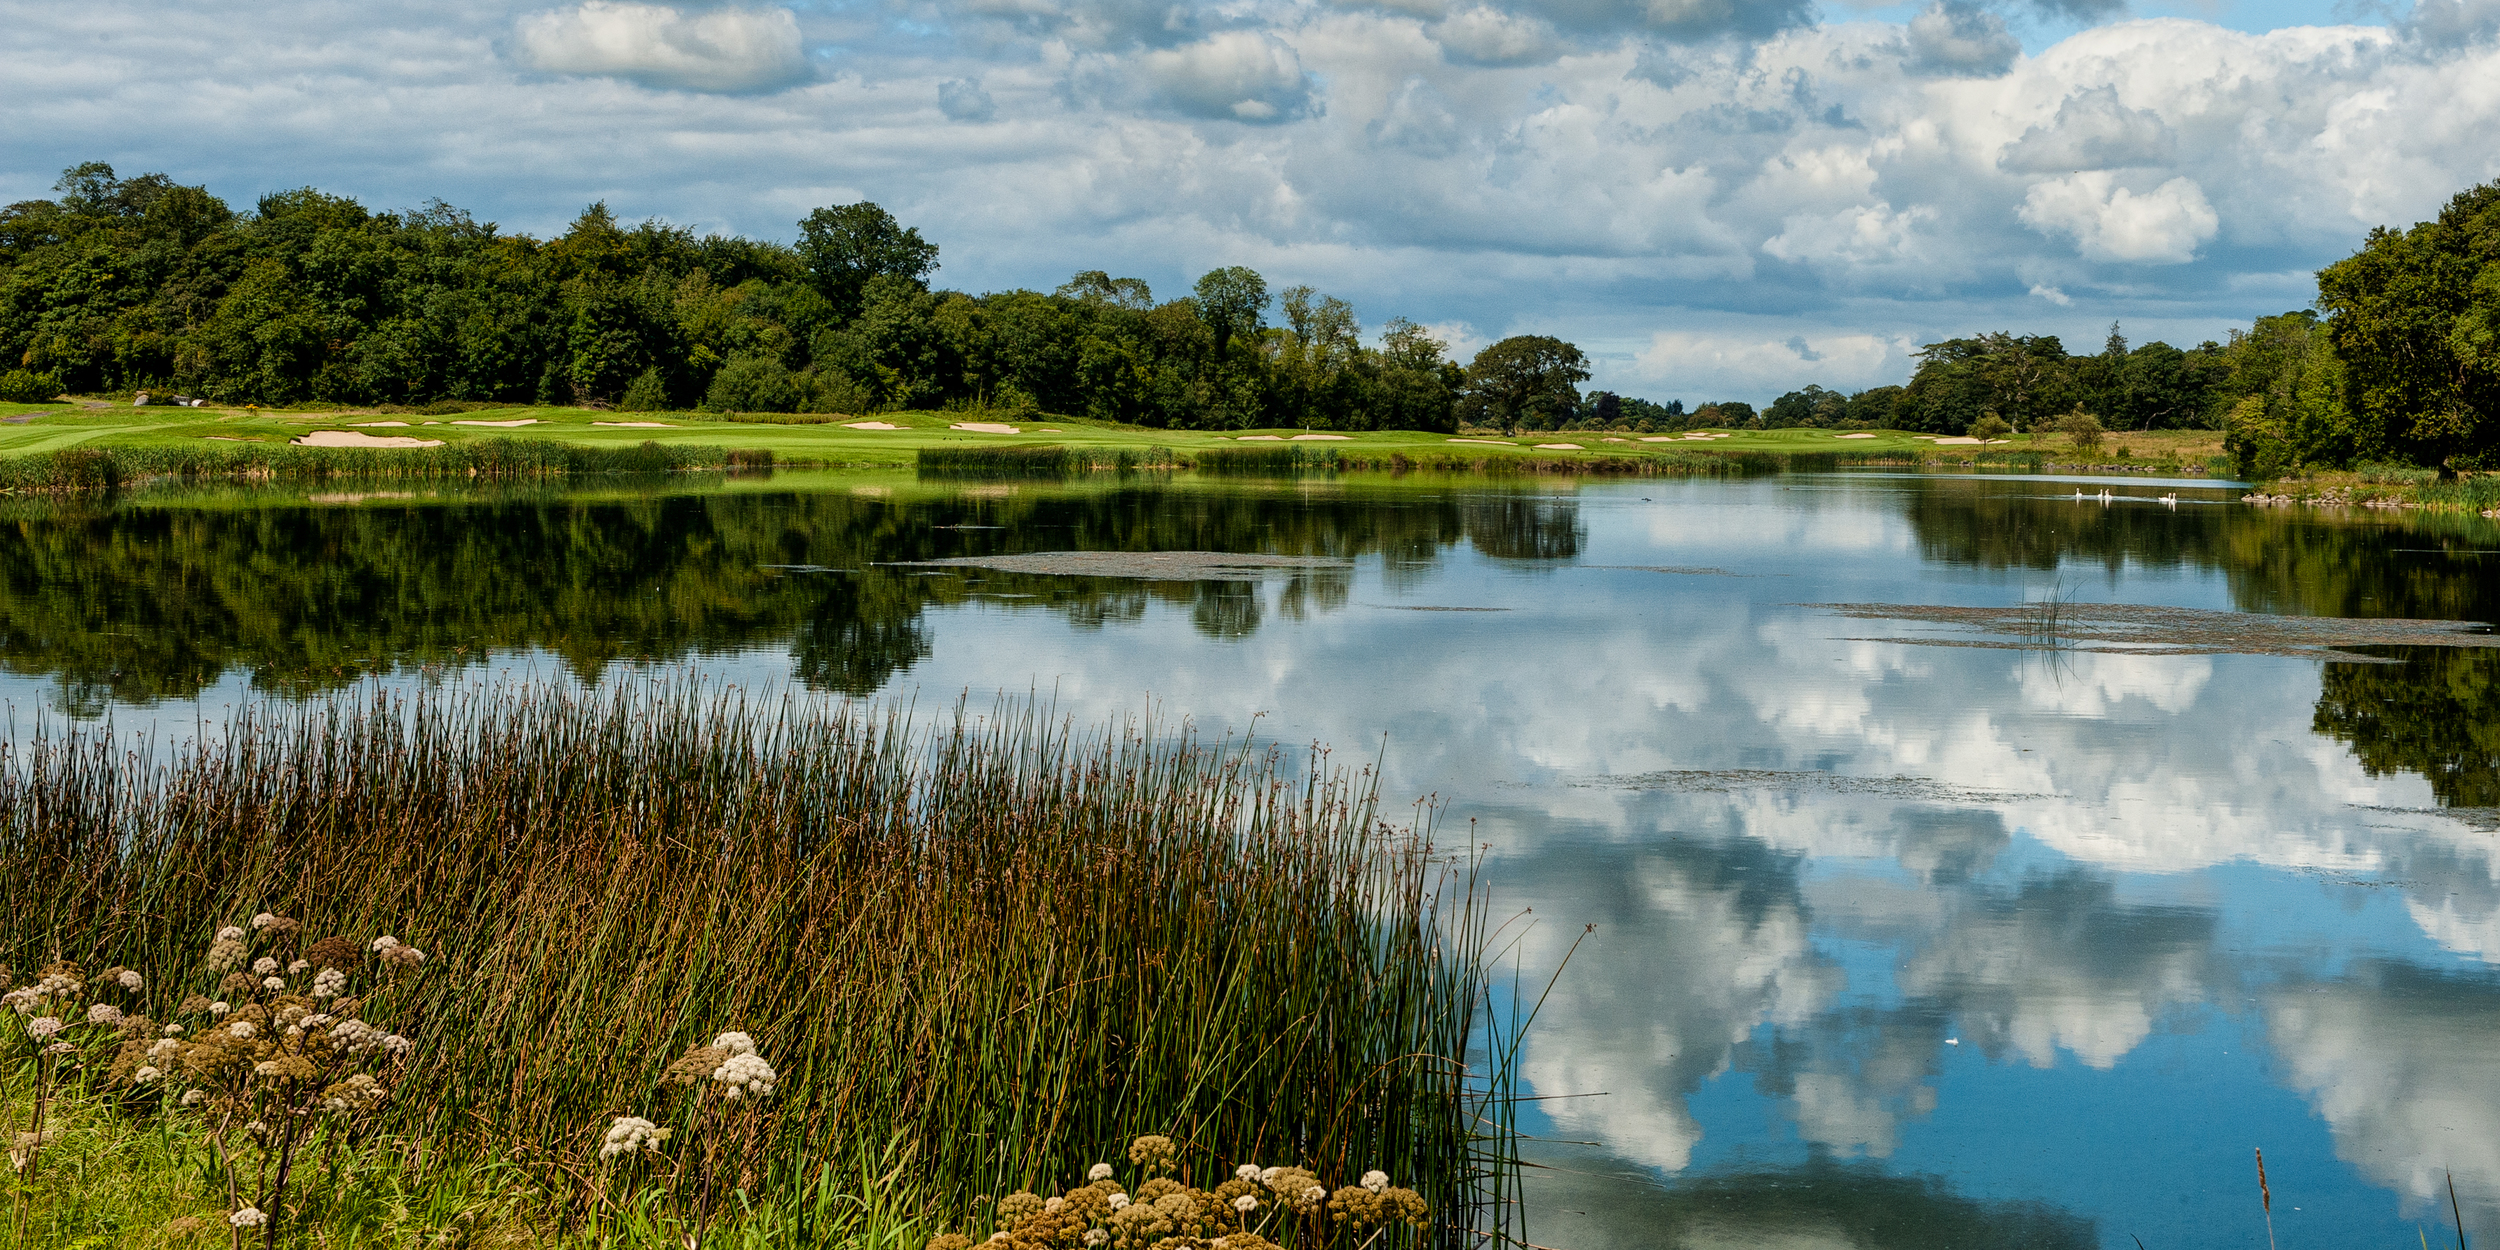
x: 754, y: 384
x: 2081, y: 428
x: 19, y: 386
x: 647, y: 393
x: 1990, y: 428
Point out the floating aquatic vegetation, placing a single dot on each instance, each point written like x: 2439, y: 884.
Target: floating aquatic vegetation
x: 2141, y: 629
x: 1185, y: 566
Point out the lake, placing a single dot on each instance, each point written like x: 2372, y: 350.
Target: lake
x: 2018, y: 902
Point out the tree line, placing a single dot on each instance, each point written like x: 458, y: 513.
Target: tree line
x: 2397, y: 362
x: 119, y: 284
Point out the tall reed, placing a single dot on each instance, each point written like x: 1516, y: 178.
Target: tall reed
x: 984, y: 952
x: 89, y: 470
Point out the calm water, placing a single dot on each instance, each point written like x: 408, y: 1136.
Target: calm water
x: 1896, y: 944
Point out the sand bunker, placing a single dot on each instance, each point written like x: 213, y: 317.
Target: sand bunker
x: 1968, y: 442
x: 1560, y: 447
x: 1323, y: 438
x: 2135, y: 629
x: 985, y: 427
x: 875, y: 425
x: 1160, y: 566
x: 1853, y: 436
x: 1260, y: 438
x: 637, y: 425
x: 501, y: 425
x: 1494, y: 441
x: 367, y: 425
x: 358, y: 438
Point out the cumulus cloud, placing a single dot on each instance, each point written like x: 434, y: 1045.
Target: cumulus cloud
x: 2093, y: 130
x: 1238, y: 76
x: 660, y: 46
x: 1488, y: 36
x: 965, y: 101
x: 2109, y: 222
x: 1961, y: 39
x: 1725, y: 365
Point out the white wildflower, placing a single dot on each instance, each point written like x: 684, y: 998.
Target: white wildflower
x: 194, y: 1097
x: 297, y: 968
x: 145, y: 1076
x: 105, y: 1014
x: 354, y: 1094
x: 242, y: 1029
x: 398, y: 1045
x: 1375, y: 1180
x: 164, y: 1048
x: 220, y: 1007
x: 266, y: 1067
x: 735, y: 1043
x: 328, y: 982
x: 173, y: 1030
x: 1095, y: 1237
x: 1001, y: 1235
x: 631, y: 1133
x: 1267, y: 1176
x: 42, y: 1028
x: 402, y: 955
x: 746, y: 1074
x: 1119, y: 1202
x: 356, y: 1036
x: 317, y: 1020
x: 131, y: 980
x: 274, y: 983
x: 230, y: 934
x: 248, y: 1217
x: 383, y: 943
x: 263, y: 966
x: 60, y: 1048
x: 1098, y: 1172
x: 263, y: 920
x: 1053, y: 1204
x: 22, y: 1000
x: 1245, y: 1204
x: 1246, y: 1172
x: 1314, y: 1195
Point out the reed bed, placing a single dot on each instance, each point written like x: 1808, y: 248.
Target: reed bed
x: 90, y: 470
x: 1037, y: 460
x: 979, y: 955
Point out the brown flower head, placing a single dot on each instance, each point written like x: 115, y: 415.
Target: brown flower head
x: 343, y: 953
x: 697, y: 1065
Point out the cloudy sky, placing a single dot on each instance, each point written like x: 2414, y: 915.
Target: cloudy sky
x: 1717, y: 198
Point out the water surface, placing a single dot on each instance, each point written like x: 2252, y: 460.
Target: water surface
x: 1895, y: 943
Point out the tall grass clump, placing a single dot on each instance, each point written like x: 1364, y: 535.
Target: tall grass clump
x: 89, y: 470
x: 1266, y: 461
x: 1018, y: 460
x: 967, y: 958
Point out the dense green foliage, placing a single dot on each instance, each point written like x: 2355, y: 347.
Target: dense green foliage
x: 124, y: 284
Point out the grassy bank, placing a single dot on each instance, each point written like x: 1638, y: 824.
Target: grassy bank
x: 978, y: 957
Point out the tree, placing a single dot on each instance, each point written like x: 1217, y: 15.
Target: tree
x: 1527, y: 379
x: 1232, y: 302
x: 2415, y: 319
x: 845, y: 248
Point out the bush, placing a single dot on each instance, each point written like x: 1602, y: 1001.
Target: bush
x: 647, y: 393
x: 18, y: 386
x: 1990, y: 428
x: 754, y: 384
x: 2081, y: 428
x: 838, y: 392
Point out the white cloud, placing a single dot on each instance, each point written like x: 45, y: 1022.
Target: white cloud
x: 1729, y: 365
x: 2092, y: 130
x: 1958, y: 38
x: 1238, y: 75
x: 1488, y: 36
x: 2109, y: 222
x: 655, y: 44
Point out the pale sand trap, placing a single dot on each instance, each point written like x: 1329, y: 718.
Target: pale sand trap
x: 1854, y: 436
x: 1260, y: 438
x: 1615, y: 440
x: 501, y: 425
x: 873, y: 425
x: 1963, y: 442
x: 637, y: 425
x: 985, y: 427
x: 357, y: 438
x: 1323, y: 438
x: 1560, y: 447
x: 1047, y: 430
x: 1494, y: 441
x: 429, y: 423
x: 371, y: 424
x: 1661, y: 438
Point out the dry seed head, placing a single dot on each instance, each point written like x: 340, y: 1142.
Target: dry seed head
x: 43, y: 1027
x: 334, y: 952
x: 226, y: 953
x: 130, y: 980
x: 950, y: 1241
x: 146, y: 1075
x: 262, y: 920
x: 1094, y: 1237
x: 1154, y: 1153
x: 1098, y: 1172
x: 696, y: 1065
x: 248, y: 1217
x: 193, y: 1097
x: 263, y: 966
x: 299, y: 967
x: 230, y: 934
x: 105, y: 1014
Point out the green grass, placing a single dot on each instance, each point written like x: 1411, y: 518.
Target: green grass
x: 989, y: 950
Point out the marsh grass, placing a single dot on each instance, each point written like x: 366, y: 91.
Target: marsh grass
x: 90, y: 470
x: 980, y: 953
x: 1033, y: 460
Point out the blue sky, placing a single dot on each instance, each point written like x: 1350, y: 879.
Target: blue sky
x: 1716, y: 198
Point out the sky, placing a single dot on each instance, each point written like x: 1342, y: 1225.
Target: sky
x: 1716, y: 199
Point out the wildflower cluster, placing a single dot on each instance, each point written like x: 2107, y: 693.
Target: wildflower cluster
x: 1289, y: 1204
x: 272, y: 1047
